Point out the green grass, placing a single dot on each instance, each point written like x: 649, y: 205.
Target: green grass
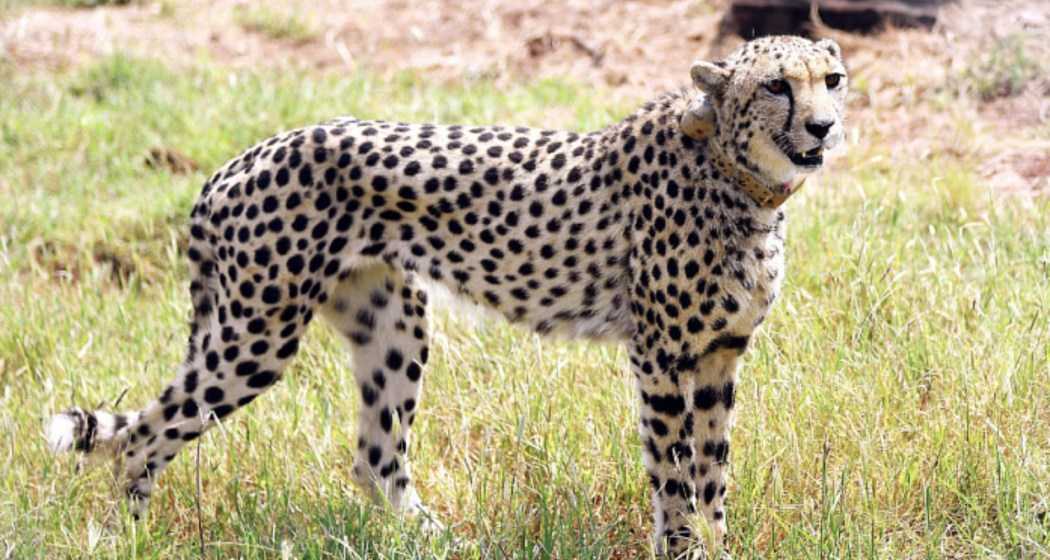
x: 895, y: 406
x: 1004, y: 69
x: 274, y: 24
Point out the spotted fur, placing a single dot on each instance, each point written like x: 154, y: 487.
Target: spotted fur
x: 648, y: 232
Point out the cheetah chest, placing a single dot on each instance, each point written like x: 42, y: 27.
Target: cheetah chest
x: 739, y: 286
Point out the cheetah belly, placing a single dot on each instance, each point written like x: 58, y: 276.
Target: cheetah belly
x: 567, y: 286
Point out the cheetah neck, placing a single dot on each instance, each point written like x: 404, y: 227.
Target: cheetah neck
x: 763, y: 195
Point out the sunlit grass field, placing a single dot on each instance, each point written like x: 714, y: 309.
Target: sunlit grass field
x: 896, y: 405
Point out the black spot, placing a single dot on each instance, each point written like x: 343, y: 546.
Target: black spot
x: 247, y: 367
x: 659, y: 428
x: 306, y: 176
x: 288, y: 349
x: 189, y: 384
x: 390, y: 468
x: 706, y: 398
x: 730, y: 304
x: 211, y: 360
x: 213, y: 395
x: 650, y: 446
x: 413, y: 371
x: 262, y: 379
x: 368, y: 394
x: 296, y: 264
x: 257, y: 325
x: 394, y: 359
x: 671, y: 405
x: 262, y: 256
x: 717, y: 449
x: 728, y: 342
x: 709, y: 491
x: 386, y: 420
x: 728, y: 394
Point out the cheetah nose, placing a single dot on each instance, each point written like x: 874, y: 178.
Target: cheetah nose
x: 819, y: 128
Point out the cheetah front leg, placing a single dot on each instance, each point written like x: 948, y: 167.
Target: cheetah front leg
x: 713, y: 395
x: 666, y: 428
x: 686, y: 414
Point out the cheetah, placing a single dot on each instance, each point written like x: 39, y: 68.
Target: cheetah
x: 664, y: 231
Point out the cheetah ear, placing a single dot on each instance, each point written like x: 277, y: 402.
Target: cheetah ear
x: 831, y: 46
x: 698, y: 122
x: 710, y: 77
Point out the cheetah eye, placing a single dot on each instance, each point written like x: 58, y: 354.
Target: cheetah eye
x: 777, y: 87
x: 833, y: 80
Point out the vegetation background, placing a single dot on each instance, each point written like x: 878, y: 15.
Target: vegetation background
x: 897, y: 405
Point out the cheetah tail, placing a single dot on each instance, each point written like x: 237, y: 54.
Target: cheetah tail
x: 86, y: 431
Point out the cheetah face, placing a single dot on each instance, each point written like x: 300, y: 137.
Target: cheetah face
x: 778, y: 104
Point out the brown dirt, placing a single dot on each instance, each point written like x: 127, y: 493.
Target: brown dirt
x: 635, y: 44
x: 916, y: 88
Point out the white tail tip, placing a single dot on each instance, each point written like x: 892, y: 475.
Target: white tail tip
x: 61, y: 433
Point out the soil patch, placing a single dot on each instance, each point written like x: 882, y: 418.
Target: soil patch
x: 980, y: 77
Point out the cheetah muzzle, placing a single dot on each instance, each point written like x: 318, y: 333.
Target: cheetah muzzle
x: 664, y: 232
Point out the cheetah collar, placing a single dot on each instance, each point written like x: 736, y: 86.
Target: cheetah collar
x: 766, y: 197
x: 763, y: 195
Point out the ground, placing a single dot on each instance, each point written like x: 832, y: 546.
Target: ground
x: 894, y: 406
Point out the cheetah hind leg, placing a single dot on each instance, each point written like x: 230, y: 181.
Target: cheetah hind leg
x: 381, y: 313
x: 231, y: 359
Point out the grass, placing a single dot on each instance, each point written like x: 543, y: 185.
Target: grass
x: 9, y: 5
x: 274, y: 24
x: 895, y: 405
x: 1004, y: 69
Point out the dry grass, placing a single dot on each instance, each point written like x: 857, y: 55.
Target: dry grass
x: 276, y: 25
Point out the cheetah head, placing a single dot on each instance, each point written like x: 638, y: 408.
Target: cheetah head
x: 777, y: 105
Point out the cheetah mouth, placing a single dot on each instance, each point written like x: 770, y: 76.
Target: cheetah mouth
x: 811, y: 158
